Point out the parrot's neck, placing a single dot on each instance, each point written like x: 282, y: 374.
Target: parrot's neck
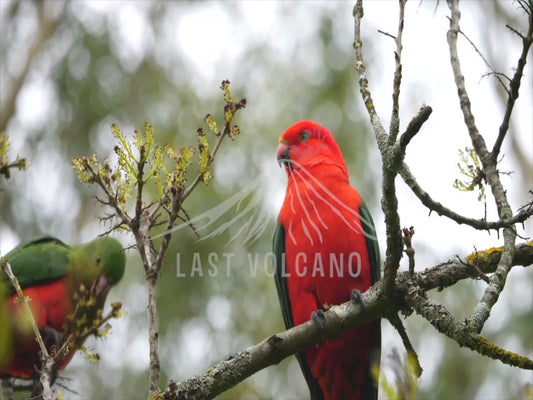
x: 323, y: 174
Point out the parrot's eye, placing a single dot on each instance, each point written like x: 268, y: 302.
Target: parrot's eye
x: 304, y: 137
x: 98, y: 259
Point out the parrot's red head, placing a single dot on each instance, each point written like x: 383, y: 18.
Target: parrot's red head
x: 307, y: 144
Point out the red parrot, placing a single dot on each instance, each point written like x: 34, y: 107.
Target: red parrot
x: 57, y: 279
x: 326, y: 252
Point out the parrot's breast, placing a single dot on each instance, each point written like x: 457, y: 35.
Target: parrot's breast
x: 51, y: 305
x: 326, y: 249
x: 327, y: 259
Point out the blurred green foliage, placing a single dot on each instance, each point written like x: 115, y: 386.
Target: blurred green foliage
x: 93, y: 64
x: 6, y: 165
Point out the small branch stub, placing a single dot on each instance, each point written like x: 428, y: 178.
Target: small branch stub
x: 414, y: 126
x: 407, y: 235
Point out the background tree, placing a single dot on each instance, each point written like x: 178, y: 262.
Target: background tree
x: 69, y: 70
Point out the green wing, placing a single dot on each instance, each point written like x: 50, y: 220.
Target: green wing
x: 35, y: 262
x: 371, y: 242
x: 370, y: 388
x: 282, y: 285
x: 281, y: 280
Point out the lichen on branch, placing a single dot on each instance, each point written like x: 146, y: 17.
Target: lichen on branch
x: 342, y: 318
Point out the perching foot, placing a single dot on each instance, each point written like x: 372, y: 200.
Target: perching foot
x: 319, y: 319
x: 357, y: 297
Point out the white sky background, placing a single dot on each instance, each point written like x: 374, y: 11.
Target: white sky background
x: 433, y: 153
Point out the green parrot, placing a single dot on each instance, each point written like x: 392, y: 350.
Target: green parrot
x: 66, y: 287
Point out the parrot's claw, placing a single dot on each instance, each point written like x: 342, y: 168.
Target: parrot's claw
x: 319, y: 318
x: 357, y: 297
x: 51, y: 337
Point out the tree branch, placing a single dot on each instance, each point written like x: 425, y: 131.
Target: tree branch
x: 496, y: 74
x: 342, y: 318
x: 480, y: 224
x: 132, y: 174
x: 151, y: 274
x: 464, y: 100
x: 514, y: 88
x: 407, y: 236
x: 489, y: 164
x: 397, y: 81
x: 391, y: 156
x: 452, y: 271
x: 379, y: 130
x: 48, y: 361
x: 461, y: 332
x: 415, y: 125
x: 6, y: 389
x: 395, y: 321
x: 490, y: 297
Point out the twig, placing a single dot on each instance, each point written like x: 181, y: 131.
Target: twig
x: 526, y: 6
x: 387, y: 34
x: 407, y: 241
x: 48, y: 362
x: 499, y: 76
x: 397, y: 81
x: 514, y: 88
x: 15, y: 283
x: 110, y: 195
x: 154, y: 268
x: 480, y: 224
x: 395, y: 321
x: 5, y: 164
x: 515, y: 31
x: 475, y: 268
x: 405, y: 373
x: 484, y: 60
x: 199, y: 177
x: 19, y: 163
x: 447, y: 274
x: 188, y: 220
x: 414, y: 126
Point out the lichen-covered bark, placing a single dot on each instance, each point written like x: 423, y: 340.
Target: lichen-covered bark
x: 409, y: 294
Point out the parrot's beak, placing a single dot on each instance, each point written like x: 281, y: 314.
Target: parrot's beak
x: 284, y: 158
x: 102, y: 286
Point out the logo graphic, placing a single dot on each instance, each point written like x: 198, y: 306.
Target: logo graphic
x: 252, y: 218
x: 248, y: 211
x: 247, y: 208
